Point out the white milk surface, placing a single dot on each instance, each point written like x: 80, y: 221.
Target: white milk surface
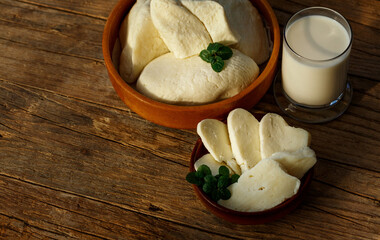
x: 318, y: 77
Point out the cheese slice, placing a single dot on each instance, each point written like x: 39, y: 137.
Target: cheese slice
x: 246, y: 22
x: 214, y: 165
x: 140, y: 41
x: 277, y: 136
x: 214, y: 136
x: 262, y: 187
x: 192, y: 81
x: 214, y: 18
x: 243, y: 130
x: 232, y: 164
x: 296, y: 163
x: 183, y: 33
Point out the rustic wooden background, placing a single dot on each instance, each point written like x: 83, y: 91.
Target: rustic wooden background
x: 76, y: 163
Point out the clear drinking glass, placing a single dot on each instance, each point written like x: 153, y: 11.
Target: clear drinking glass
x: 313, y: 84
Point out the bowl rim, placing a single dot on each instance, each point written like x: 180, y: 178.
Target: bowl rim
x: 116, y: 17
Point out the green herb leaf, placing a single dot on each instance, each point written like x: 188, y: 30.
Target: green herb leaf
x: 224, y: 52
x: 210, y: 179
x: 193, y: 179
x: 224, y: 193
x: 223, y: 170
x: 223, y: 181
x: 217, y: 64
x: 215, y: 54
x: 234, y: 178
x: 214, y: 47
x: 215, y: 195
x: 206, y: 56
x: 213, y: 186
x: 208, y: 188
x: 204, y: 170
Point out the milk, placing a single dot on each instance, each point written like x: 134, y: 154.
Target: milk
x: 315, y: 60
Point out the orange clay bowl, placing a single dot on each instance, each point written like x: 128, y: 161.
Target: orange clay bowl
x: 251, y: 218
x: 187, y: 117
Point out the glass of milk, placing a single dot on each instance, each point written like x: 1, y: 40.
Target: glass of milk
x: 313, y: 85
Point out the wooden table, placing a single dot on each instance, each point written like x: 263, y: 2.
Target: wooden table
x: 76, y: 163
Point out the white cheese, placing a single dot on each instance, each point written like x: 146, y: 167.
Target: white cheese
x: 243, y: 130
x: 245, y: 21
x: 213, y: 16
x: 183, y: 33
x: 262, y: 187
x: 214, y: 165
x: 277, y: 136
x: 214, y: 136
x: 140, y: 41
x: 296, y: 163
x: 192, y: 81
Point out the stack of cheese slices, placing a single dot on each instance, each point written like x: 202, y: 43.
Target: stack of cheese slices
x: 161, y: 41
x: 270, y: 155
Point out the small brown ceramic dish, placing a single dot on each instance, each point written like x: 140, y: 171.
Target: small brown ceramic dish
x: 188, y: 116
x: 252, y: 218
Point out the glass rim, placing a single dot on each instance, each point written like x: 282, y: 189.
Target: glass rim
x: 323, y: 8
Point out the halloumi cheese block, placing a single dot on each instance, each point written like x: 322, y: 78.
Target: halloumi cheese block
x: 183, y: 33
x: 246, y: 22
x: 140, y: 41
x: 296, y: 163
x: 243, y: 130
x: 214, y: 136
x: 192, y: 81
x: 214, y: 165
x: 213, y: 16
x: 277, y: 136
x: 260, y: 188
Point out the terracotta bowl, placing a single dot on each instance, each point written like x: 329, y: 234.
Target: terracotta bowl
x: 187, y: 117
x: 252, y: 218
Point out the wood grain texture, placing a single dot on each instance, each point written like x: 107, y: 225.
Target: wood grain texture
x: 76, y: 163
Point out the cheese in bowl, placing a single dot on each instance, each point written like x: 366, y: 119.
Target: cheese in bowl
x: 161, y: 41
x: 270, y: 156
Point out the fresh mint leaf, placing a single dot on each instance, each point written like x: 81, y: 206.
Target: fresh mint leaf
x: 213, y: 48
x: 213, y: 186
x: 215, y: 195
x: 224, y: 193
x: 210, y: 179
x: 215, y: 54
x: 224, y: 52
x: 207, y: 188
x: 234, y: 178
x: 193, y: 179
x: 223, y: 181
x: 217, y: 64
x: 204, y: 170
x: 223, y: 170
x: 205, y: 56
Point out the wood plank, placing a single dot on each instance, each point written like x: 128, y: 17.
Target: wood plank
x: 63, y: 74
x: 63, y: 33
x: 54, y: 144
x: 93, y: 8
x: 30, y: 211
